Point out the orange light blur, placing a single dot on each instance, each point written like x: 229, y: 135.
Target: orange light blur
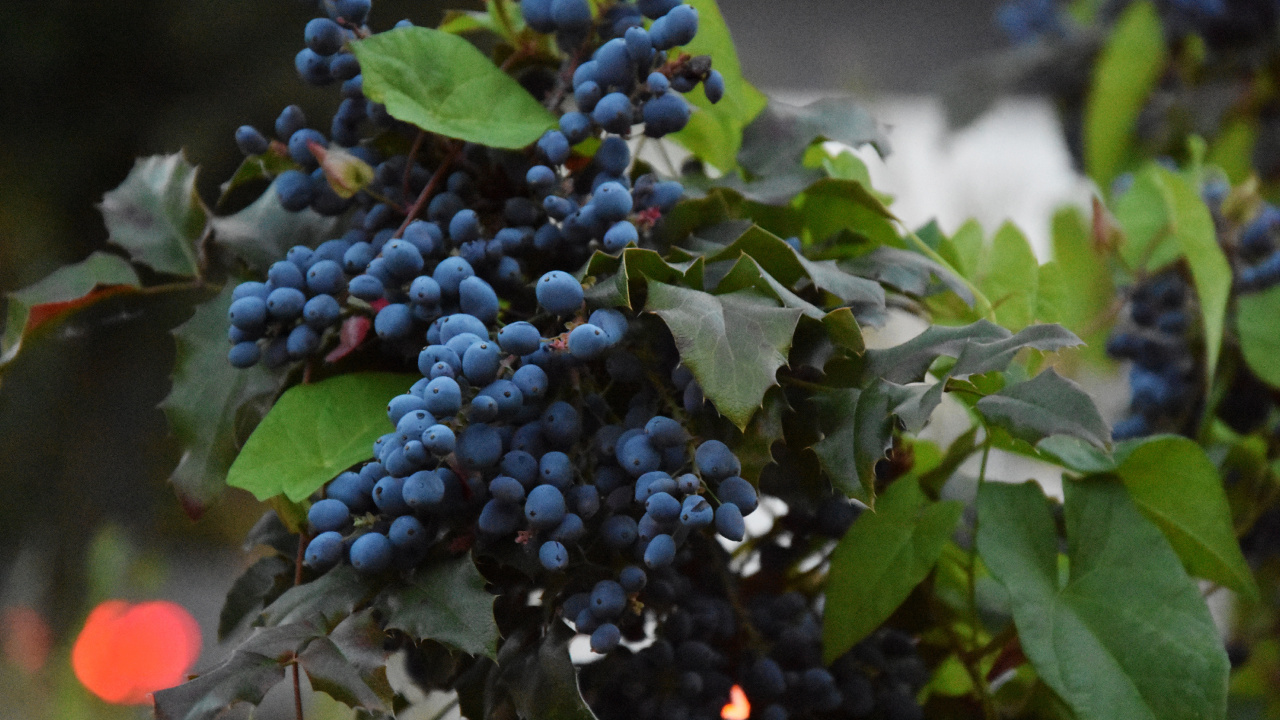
x: 26, y: 637
x: 738, y: 708
x: 126, y: 652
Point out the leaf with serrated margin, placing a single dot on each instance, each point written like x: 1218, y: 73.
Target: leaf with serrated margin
x: 857, y: 428
x: 795, y: 271
x: 264, y: 231
x: 978, y: 358
x: 733, y: 344
x: 1124, y: 75
x: 1129, y: 635
x: 1047, y: 404
x: 909, y: 361
x: 325, y: 601
x: 65, y: 289
x: 202, y: 406
x: 907, y: 271
x: 445, y: 602
x: 775, y: 142
x: 363, y: 642
x: 881, y: 560
x: 331, y: 673
x: 443, y: 84
x: 269, y: 575
x: 314, y: 432
x: 253, y: 669
x: 714, y: 132
x: 540, y: 678
x: 1175, y: 484
x: 157, y: 216
x: 747, y: 273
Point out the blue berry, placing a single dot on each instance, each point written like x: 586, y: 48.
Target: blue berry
x: 555, y: 468
x: 586, y: 95
x: 677, y: 27
x: 388, y: 495
x: 665, y: 114
x: 450, y: 273
x: 657, y: 83
x: 477, y: 298
x: 587, y: 342
x: 619, y: 531
x: 586, y: 621
x: 393, y: 322
x: 519, y: 338
x: 605, y: 638
x: 244, y: 355
x: 479, y: 446
x: 696, y: 512
x: 353, y: 11
x: 507, y: 489
x: 729, y: 522
x: 423, y: 490
x: 323, y: 36
x: 541, y: 177
x: 570, y: 529
x: 300, y: 147
x: 614, y: 155
x: 403, y: 259
x: 408, y: 534
x: 571, y: 15
x: 714, y: 86
x: 613, y: 65
x: 613, y: 113
x: 739, y: 492
x: 371, y: 553
x: 608, y: 600
x: 585, y: 500
x: 561, y: 424
x: 352, y: 490
x: 575, y: 127
x: 654, y: 9
x: 612, y: 202
x: 324, y: 551
x: 248, y: 313
x: 326, y: 277
x: 303, y: 340
x: 498, y: 518
x: 716, y: 461
x: 555, y: 146
x: 661, y: 552
x: 480, y: 363
x: 321, y: 311
x: 532, y: 381
x: 537, y: 15
x: 632, y: 578
x: 666, y: 194
x: 464, y: 227
x: 559, y: 293
x: 366, y: 287
x: 290, y: 121
x: 663, y: 507
x: 250, y: 141
x: 638, y: 456
x: 285, y: 303
x: 522, y: 466
x: 553, y: 556
x: 544, y: 508
x: 439, y: 440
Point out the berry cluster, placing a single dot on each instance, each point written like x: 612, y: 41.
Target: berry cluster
x: 1155, y: 336
x: 1257, y: 253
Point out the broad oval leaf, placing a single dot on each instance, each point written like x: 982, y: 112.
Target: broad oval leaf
x: 733, y: 344
x: 441, y: 83
x: 880, y: 561
x: 1128, y: 637
x: 1256, y: 315
x: 1176, y: 485
x: 156, y: 214
x: 445, y: 602
x: 315, y: 432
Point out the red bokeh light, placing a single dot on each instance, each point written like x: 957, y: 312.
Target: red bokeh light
x: 738, y: 708
x: 126, y: 652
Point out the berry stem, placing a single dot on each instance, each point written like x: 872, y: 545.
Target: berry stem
x: 429, y: 189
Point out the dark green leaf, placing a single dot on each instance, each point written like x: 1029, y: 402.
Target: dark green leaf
x: 978, y: 358
x: 714, y: 132
x: 907, y: 271
x: 747, y: 273
x: 776, y: 140
x: 1123, y: 77
x: 844, y: 331
x: 207, y: 394
x: 157, y: 216
x: 733, y: 344
x: 1129, y: 635
x: 1076, y: 454
x: 830, y: 207
x: 446, y: 602
x: 257, y: 167
x: 269, y: 575
x: 314, y: 432
x: 363, y: 643
x: 330, y: 672
x: 443, y: 84
x: 1178, y: 488
x: 880, y: 561
x: 909, y: 361
x: 1256, y: 315
x: 262, y: 233
x: 1047, y: 404
x: 857, y: 429
x: 540, y: 678
x: 62, y: 290
x: 324, y: 601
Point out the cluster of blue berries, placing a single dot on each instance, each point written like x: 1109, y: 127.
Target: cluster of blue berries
x: 1257, y: 253
x: 1156, y: 338
x: 1025, y: 21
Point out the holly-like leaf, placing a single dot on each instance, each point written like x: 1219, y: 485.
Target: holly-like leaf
x: 1123, y: 77
x: 362, y: 641
x: 857, y: 431
x: 977, y: 358
x: 253, y: 669
x: 206, y: 397
x: 324, y: 602
x: 907, y: 271
x: 909, y: 361
x: 775, y: 142
x: 733, y: 344
x: 258, y: 167
x: 269, y: 575
x: 880, y: 561
x: 157, y: 216
x: 442, y: 84
x: 1128, y: 635
x: 1175, y: 484
x: 330, y: 672
x: 1256, y: 315
x: 64, y: 290
x: 314, y: 432
x: 795, y: 271
x: 714, y: 132
x: 540, y: 678
x: 1047, y: 404
x: 624, y: 275
x: 264, y: 231
x: 445, y: 602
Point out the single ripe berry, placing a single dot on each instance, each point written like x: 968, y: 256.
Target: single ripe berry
x: 559, y: 293
x: 324, y: 551
x: 328, y: 514
x: 371, y: 553
x: 553, y: 556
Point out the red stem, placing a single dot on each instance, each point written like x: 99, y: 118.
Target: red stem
x: 429, y: 189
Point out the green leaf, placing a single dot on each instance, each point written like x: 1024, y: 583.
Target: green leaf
x: 857, y: 430
x: 264, y: 231
x: 65, y: 289
x: 270, y: 575
x: 775, y: 142
x: 795, y: 271
x: 1083, y: 272
x: 1128, y: 637
x: 909, y: 361
x: 258, y: 167
x: 445, y: 602
x: 443, y: 84
x: 1008, y: 275
x: 831, y: 206
x: 907, y: 271
x: 880, y: 561
x: 1178, y: 488
x: 325, y: 601
x: 157, y: 216
x: 1123, y: 77
x: 733, y: 344
x: 978, y: 358
x: 1047, y: 404
x: 330, y: 672
x: 362, y: 641
x: 206, y: 399
x: 541, y: 679
x: 630, y: 271
x: 314, y: 432
x: 1256, y: 315
x: 714, y: 132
